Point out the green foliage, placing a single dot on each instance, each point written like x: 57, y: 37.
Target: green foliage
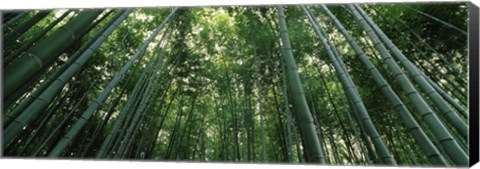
x: 193, y: 93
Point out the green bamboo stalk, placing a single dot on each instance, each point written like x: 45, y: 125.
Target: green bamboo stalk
x: 358, y: 136
x: 108, y: 139
x: 84, y: 58
x: 40, y: 126
x: 176, y: 126
x: 152, y: 146
x: 316, y: 119
x: 352, y: 93
x: 164, y: 115
x: 450, y: 145
x: 43, y: 99
x: 449, y: 68
x: 66, y: 117
x: 31, y: 61
x: 23, y: 88
x: 179, y: 143
x: 93, y: 107
x: 439, y: 20
x: 427, y: 146
x: 288, y: 113
x: 232, y: 114
x: 114, y: 137
x: 11, y: 115
x: 447, y: 97
x: 312, y: 144
x: 100, y: 128
x: 32, y: 40
x: 456, y: 90
x: 146, y: 99
x: 336, y: 114
x: 447, y: 111
x: 460, y: 77
x: 259, y: 103
x: 16, y: 33
x: 13, y: 20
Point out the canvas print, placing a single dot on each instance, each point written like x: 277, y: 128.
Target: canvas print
x: 337, y: 84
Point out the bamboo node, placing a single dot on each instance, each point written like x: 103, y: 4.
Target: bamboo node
x: 70, y: 31
x: 36, y: 58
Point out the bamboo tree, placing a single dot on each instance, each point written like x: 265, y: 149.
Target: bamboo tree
x: 259, y: 102
x: 336, y: 112
x: 354, y: 96
x: 127, y: 115
x: 287, y: 110
x: 175, y: 129
x: 187, y: 122
x: 435, y: 67
x: 358, y: 137
x: 316, y: 119
x: 20, y: 30
x: 43, y: 99
x: 447, y: 97
x: 451, y: 146
x: 364, y: 144
x: 106, y: 142
x: 312, y: 144
x: 163, y: 117
x: 43, y: 124
x: 460, y: 78
x: 232, y: 114
x: 92, y: 108
x: 22, y: 69
x: 62, y: 123
x: 281, y: 129
x: 439, y: 20
x: 225, y: 103
x: 100, y: 128
x: 23, y: 88
x: 427, y: 146
x: 146, y: 96
x: 11, y: 115
x: 13, y: 20
x: 152, y: 146
x: 456, y: 91
x: 447, y: 111
x: 32, y: 40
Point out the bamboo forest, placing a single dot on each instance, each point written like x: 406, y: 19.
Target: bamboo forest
x: 337, y: 84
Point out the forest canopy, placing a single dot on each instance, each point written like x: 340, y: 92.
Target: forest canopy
x: 346, y: 84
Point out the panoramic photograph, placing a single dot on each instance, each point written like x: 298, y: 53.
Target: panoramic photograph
x: 320, y: 84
